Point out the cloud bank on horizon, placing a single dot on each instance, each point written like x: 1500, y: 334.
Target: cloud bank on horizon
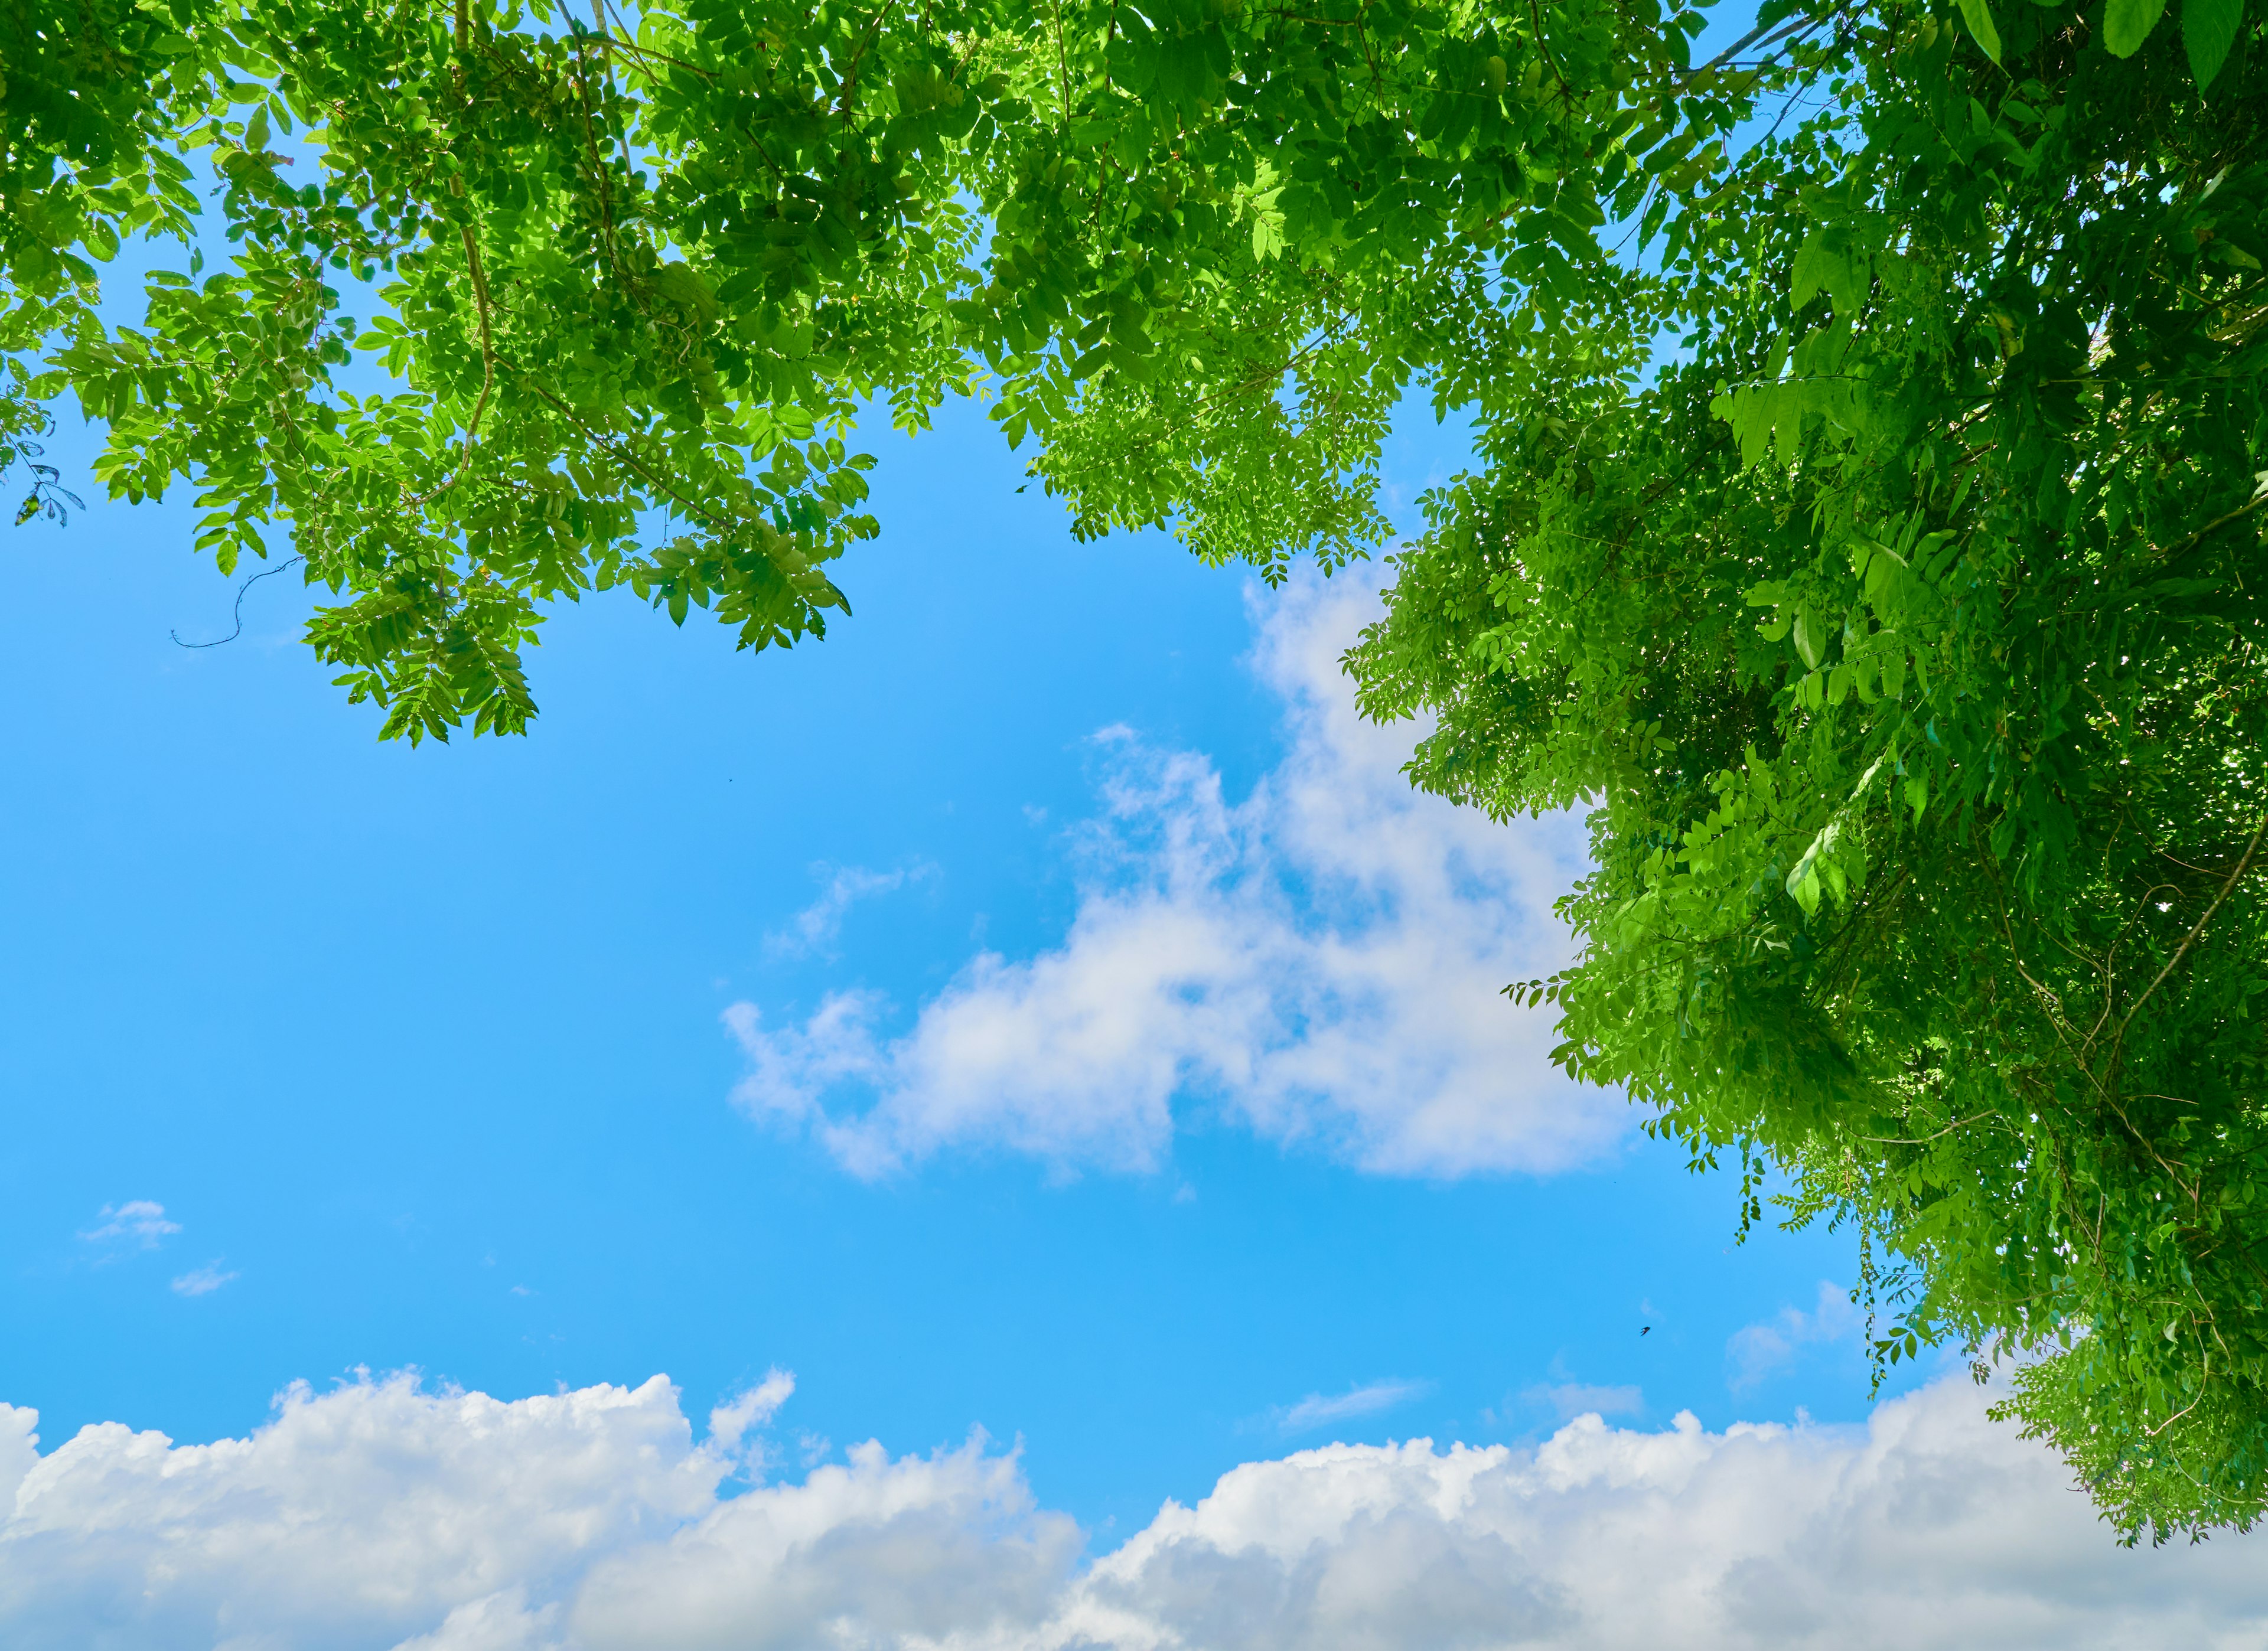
x: 1320, y: 963
x: 383, y: 1517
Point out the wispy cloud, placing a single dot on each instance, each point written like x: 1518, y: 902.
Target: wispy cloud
x: 137, y: 1224
x: 1757, y: 1352
x: 818, y: 925
x: 1320, y: 963
x: 1322, y: 1410
x: 1568, y: 1400
x: 202, y: 1281
x: 731, y: 1421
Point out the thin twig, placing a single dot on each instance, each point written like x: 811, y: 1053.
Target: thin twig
x: 488, y: 342
x: 1897, y: 1141
x: 617, y: 42
x: 2110, y: 976
x: 240, y: 590
x: 2222, y: 520
x: 2181, y: 950
x: 488, y: 369
x: 631, y: 461
x: 1062, y: 68
x: 598, y: 164
x: 599, y: 11
x: 1566, y: 92
x: 1791, y: 26
x: 2205, y: 1381
x: 850, y: 75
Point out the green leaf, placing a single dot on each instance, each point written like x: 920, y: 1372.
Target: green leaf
x: 2127, y: 24
x: 1978, y: 15
x: 2209, y: 29
x: 1806, y: 636
x: 1789, y: 428
x: 1818, y: 267
x: 1803, y: 882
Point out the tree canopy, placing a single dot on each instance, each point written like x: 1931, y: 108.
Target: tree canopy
x: 1866, y: 523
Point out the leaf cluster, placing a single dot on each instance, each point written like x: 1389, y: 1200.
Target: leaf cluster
x: 1904, y: 638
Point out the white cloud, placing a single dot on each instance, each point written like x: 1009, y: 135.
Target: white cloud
x: 872, y: 1553
x: 137, y: 1223
x: 383, y: 1516
x: 1757, y: 1352
x: 730, y: 1422
x: 1928, y: 1527
x: 494, y: 1622
x: 1319, y: 1410
x: 816, y: 927
x: 358, y: 1518
x: 1319, y: 963
x: 202, y: 1281
x: 1570, y: 1400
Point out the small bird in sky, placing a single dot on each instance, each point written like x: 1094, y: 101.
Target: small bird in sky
x: 1644, y: 1328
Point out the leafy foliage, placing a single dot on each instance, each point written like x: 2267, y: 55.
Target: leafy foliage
x: 598, y: 308
x: 635, y: 277
x: 1907, y: 637
x: 1900, y: 630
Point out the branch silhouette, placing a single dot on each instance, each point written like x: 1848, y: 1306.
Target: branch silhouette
x: 267, y: 573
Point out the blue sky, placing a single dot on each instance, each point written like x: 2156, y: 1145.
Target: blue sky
x: 807, y: 1013
x: 392, y: 1034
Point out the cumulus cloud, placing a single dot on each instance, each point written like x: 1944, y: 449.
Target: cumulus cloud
x: 358, y: 1518
x: 872, y: 1553
x: 1755, y: 1353
x: 383, y: 1517
x: 1319, y: 963
x: 137, y: 1224
x: 1927, y: 1528
x: 201, y: 1280
x: 1320, y: 1410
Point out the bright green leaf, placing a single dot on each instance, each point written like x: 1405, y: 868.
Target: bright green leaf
x: 2209, y: 29
x: 1978, y: 15
x: 2127, y: 24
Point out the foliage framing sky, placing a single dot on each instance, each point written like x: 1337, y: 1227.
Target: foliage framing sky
x: 1035, y: 1032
